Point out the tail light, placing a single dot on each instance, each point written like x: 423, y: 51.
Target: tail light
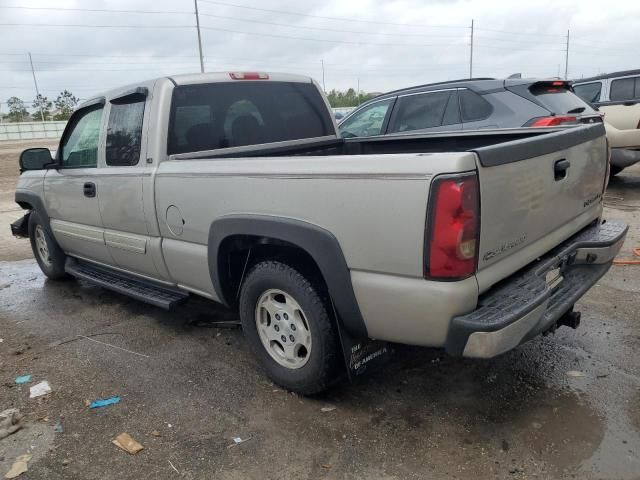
x: 249, y: 76
x: 550, y: 121
x: 453, y: 228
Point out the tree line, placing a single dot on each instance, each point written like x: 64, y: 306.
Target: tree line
x: 66, y: 102
x: 349, y: 98
x: 64, y: 105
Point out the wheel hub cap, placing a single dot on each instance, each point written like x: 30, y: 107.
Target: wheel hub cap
x: 283, y: 328
x: 41, y: 246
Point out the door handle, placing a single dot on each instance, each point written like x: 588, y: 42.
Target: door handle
x: 89, y: 189
x: 560, y: 169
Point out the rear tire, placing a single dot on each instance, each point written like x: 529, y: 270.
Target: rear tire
x: 289, y: 329
x: 613, y: 171
x: 46, y: 250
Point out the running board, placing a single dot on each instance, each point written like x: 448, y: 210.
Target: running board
x: 140, y: 289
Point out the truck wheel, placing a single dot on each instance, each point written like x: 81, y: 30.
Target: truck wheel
x: 614, y: 170
x: 289, y: 329
x: 48, y: 253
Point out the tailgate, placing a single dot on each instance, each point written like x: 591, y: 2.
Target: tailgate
x: 536, y: 193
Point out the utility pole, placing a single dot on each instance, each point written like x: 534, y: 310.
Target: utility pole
x: 323, y: 85
x: 566, y: 60
x: 199, y: 37
x: 471, y: 53
x: 358, y: 92
x: 35, y: 82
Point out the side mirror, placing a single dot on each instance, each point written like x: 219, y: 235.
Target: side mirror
x: 35, y: 159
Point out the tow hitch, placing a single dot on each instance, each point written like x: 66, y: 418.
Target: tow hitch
x: 569, y: 319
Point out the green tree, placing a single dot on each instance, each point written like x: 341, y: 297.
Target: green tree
x: 65, y: 104
x: 17, y: 110
x: 348, y: 99
x: 42, y: 107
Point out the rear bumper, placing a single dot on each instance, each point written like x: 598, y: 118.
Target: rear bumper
x: 532, y: 300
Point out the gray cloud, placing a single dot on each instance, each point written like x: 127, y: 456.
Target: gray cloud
x: 396, y: 43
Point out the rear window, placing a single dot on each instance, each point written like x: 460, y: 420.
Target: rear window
x: 589, y: 92
x: 222, y: 115
x: 625, y: 89
x: 558, y: 99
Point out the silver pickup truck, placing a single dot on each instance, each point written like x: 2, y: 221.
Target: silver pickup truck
x: 238, y: 188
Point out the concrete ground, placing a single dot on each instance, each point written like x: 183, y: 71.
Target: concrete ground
x: 187, y: 390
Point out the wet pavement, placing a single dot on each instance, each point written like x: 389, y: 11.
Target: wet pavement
x: 423, y: 416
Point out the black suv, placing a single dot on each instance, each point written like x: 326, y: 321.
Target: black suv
x: 469, y: 105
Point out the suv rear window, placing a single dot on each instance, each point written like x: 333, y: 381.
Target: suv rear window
x: 558, y: 99
x: 222, y: 115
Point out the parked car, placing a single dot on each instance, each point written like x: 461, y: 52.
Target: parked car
x: 238, y: 188
x: 469, y: 105
x: 617, y: 95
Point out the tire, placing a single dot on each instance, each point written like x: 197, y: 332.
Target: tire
x: 46, y: 250
x: 300, y: 348
x: 614, y: 171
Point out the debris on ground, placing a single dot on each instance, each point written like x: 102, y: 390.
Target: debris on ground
x: 66, y: 462
x: 104, y: 402
x: 327, y: 466
x: 19, y: 466
x: 40, y: 389
x: 58, y: 428
x: 575, y: 374
x: 10, y: 422
x: 23, y: 379
x: 172, y: 466
x: 128, y: 444
x: 156, y: 433
x: 327, y: 409
x: 238, y: 441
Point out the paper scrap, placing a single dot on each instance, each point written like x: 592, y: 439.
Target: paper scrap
x: 40, y: 389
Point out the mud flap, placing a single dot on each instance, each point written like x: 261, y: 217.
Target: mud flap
x: 20, y: 228
x: 361, y: 355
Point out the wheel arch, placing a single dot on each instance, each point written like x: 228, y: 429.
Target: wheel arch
x: 311, y: 240
x: 31, y: 201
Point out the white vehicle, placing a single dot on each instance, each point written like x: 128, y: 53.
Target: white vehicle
x: 617, y: 95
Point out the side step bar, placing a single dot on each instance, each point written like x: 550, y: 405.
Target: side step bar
x: 140, y: 289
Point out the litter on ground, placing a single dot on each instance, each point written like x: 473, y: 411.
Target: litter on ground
x: 19, y: 466
x: 10, y: 422
x: 23, y: 379
x: 104, y: 402
x: 128, y: 444
x: 40, y: 389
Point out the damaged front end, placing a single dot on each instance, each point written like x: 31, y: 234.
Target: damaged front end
x: 20, y: 228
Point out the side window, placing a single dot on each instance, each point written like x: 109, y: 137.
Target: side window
x: 366, y: 122
x: 625, y: 89
x: 124, y: 131
x: 427, y: 110
x: 80, y: 145
x: 589, y: 92
x: 473, y: 106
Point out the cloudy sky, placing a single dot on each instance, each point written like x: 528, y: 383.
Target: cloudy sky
x: 382, y: 44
